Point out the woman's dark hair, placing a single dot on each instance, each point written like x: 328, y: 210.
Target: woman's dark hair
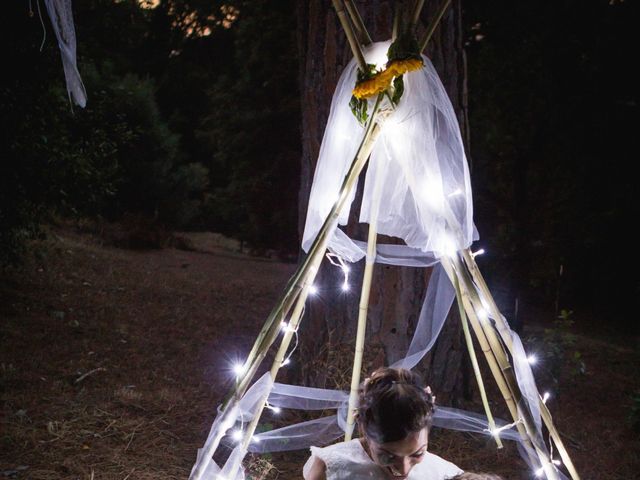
x: 394, y: 404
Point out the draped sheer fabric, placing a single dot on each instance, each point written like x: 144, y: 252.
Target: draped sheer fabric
x: 61, y: 17
x: 426, y: 191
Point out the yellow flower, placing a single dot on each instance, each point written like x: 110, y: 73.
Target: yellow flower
x: 381, y: 81
x: 400, y: 67
x: 372, y: 86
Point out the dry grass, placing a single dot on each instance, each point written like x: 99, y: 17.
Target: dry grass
x: 110, y: 368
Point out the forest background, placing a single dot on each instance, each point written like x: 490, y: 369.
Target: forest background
x: 192, y: 123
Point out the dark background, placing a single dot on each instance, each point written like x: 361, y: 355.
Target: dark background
x: 192, y: 123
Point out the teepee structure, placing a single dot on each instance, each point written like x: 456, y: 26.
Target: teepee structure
x: 391, y: 111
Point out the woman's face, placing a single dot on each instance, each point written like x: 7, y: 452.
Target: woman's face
x: 398, y: 458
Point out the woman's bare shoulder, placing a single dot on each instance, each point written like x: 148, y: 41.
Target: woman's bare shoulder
x: 318, y: 470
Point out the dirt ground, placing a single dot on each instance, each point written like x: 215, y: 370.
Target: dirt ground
x: 113, y: 361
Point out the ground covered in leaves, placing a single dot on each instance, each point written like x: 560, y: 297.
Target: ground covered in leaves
x: 112, y: 362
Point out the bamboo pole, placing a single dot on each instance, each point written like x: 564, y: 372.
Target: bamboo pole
x: 415, y: 16
x: 555, y: 435
x: 507, y: 371
x: 491, y: 360
x: 358, y: 24
x: 351, y: 37
x: 396, y: 21
x: 363, y: 307
x: 318, y: 247
x: 278, y: 361
x: 292, y: 290
x: 478, y: 279
x: 474, y: 362
x: 434, y: 23
x: 504, y: 331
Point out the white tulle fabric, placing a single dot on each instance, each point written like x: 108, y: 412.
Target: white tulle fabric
x: 425, y: 193
x: 61, y: 17
x: 426, y: 201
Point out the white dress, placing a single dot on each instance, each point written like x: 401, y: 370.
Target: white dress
x: 348, y: 460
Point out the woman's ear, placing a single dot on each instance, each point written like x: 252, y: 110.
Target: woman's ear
x: 427, y: 390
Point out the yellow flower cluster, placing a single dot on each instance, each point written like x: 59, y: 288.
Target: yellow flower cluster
x: 381, y: 81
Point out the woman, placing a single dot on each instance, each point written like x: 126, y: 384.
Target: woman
x: 394, y: 418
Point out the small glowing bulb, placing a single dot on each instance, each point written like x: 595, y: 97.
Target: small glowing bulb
x: 237, y: 435
x: 345, y: 269
x: 532, y: 359
x: 482, y: 314
x: 238, y: 369
x: 456, y: 192
x: 286, y: 361
x: 345, y: 287
x: 479, y: 252
x: 545, y: 397
x: 540, y: 472
x: 313, y: 290
x: 556, y: 462
x: 276, y: 409
x: 283, y: 326
x: 255, y: 439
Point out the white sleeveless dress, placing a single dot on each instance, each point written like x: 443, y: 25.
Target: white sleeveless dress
x: 348, y: 460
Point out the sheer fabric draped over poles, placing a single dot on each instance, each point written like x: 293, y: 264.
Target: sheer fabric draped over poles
x: 426, y: 192
x: 427, y: 202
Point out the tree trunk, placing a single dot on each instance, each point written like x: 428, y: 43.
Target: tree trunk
x: 397, y: 293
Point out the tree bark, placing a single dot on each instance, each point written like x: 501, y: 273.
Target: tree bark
x: 397, y: 293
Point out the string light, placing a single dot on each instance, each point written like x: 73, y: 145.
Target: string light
x: 227, y: 424
x: 313, y: 289
x: 236, y: 435
x: 482, y: 314
x: 532, y: 359
x: 479, y: 252
x: 551, y: 462
x: 339, y: 262
x: 545, y: 397
x: 455, y: 193
x: 275, y: 410
x: 286, y: 361
x: 286, y: 327
x: 238, y: 369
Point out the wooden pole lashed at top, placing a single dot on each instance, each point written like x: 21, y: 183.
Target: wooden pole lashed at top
x: 294, y: 288
x: 351, y: 37
x: 505, y: 367
x: 363, y: 308
x: 435, y: 21
x: 415, y: 15
x: 505, y: 335
x: 474, y: 361
x: 361, y: 31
